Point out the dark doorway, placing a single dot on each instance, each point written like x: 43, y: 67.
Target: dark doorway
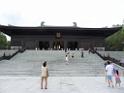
x: 58, y: 45
x: 44, y: 45
x: 72, y: 45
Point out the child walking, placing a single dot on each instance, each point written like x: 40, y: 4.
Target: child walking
x: 66, y: 59
x: 117, y: 78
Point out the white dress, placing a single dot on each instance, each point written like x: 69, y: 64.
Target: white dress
x: 44, y: 72
x: 66, y: 58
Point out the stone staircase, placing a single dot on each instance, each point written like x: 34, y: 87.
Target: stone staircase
x: 29, y: 64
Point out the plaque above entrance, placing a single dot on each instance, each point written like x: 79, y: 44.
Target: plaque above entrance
x: 58, y: 35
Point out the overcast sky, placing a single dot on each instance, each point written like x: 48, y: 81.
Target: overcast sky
x: 87, y: 13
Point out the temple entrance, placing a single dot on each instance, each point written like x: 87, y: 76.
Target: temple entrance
x: 58, y: 45
x: 43, y: 45
x: 72, y: 45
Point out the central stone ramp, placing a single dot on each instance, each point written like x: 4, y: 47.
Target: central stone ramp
x: 29, y: 63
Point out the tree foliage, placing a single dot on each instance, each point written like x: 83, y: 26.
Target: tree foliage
x: 3, y: 41
x: 116, y: 41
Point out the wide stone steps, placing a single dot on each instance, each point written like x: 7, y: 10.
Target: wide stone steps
x: 29, y: 63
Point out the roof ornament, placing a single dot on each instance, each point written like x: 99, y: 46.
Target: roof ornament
x: 42, y: 24
x: 74, y: 24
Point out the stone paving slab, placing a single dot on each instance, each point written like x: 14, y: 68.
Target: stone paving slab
x: 24, y: 84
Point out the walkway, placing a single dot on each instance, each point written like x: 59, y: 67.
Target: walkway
x: 58, y: 85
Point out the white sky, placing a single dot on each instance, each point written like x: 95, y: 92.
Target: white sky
x: 87, y: 13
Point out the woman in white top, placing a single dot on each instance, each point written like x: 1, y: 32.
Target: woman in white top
x: 44, y: 75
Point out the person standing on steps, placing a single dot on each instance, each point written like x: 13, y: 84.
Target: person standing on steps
x: 72, y: 55
x: 66, y: 59
x: 44, y: 75
x: 82, y: 54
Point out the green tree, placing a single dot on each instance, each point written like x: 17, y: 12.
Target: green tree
x: 3, y: 41
x: 115, y: 41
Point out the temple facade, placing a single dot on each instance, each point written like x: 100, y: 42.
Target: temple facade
x: 57, y: 37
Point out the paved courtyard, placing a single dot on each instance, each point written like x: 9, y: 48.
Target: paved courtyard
x: 58, y: 85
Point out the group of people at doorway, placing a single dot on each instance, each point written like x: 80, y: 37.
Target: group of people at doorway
x: 110, y: 72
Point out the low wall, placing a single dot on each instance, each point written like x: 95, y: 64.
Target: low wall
x: 8, y: 54
x: 116, y: 61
